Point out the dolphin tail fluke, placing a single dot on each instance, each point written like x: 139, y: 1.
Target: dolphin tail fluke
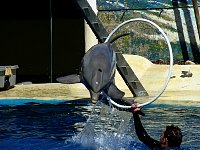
x: 70, y: 79
x: 117, y: 37
x: 114, y: 92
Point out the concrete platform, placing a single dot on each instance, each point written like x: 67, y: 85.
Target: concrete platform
x: 153, y: 76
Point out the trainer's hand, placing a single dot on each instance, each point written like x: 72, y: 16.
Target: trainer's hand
x: 136, y: 109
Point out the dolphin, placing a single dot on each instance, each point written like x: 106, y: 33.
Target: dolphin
x: 97, y: 71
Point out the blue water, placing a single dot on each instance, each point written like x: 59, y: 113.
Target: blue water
x: 57, y: 124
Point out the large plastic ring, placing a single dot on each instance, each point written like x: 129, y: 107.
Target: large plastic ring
x: 170, y: 66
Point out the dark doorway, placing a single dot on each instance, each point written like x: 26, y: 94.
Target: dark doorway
x: 44, y: 37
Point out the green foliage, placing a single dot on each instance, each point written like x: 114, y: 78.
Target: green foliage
x: 144, y: 45
x: 141, y: 45
x: 161, y: 15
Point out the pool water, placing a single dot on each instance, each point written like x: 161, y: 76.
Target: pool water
x: 76, y: 124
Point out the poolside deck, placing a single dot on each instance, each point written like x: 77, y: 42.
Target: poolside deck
x: 180, y: 90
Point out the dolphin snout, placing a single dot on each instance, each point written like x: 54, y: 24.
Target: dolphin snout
x: 94, y: 97
x: 94, y: 101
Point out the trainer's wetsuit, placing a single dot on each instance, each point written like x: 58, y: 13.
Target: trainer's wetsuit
x: 143, y: 135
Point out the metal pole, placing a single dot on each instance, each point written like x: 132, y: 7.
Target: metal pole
x: 51, y: 44
x: 196, y: 12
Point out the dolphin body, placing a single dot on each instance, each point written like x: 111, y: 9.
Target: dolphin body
x: 97, y: 71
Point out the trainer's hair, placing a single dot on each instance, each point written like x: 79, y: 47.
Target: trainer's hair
x: 173, y: 135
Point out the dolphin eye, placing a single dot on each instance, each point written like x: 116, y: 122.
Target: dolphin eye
x: 99, y: 70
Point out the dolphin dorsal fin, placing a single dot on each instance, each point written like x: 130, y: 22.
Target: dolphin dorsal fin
x: 70, y: 79
x: 114, y: 92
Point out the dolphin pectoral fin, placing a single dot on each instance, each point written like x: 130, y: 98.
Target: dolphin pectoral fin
x: 70, y: 79
x: 114, y: 92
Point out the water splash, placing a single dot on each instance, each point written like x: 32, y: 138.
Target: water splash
x: 102, y: 139
x: 106, y: 128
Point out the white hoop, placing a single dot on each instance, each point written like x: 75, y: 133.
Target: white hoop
x: 170, y: 66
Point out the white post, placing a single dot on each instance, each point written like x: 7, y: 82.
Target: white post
x: 90, y: 38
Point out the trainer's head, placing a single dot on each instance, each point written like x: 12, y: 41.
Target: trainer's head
x: 171, y: 137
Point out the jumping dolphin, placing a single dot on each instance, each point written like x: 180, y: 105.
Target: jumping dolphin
x: 97, y: 71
